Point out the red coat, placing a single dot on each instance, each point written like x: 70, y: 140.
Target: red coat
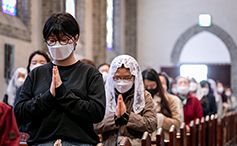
x: 9, y: 133
x: 192, y: 109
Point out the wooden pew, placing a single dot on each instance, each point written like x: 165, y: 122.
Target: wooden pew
x: 172, y: 135
x: 125, y: 142
x: 215, y: 129
x: 197, y: 125
x: 183, y: 136
x: 211, y: 130
x: 146, y: 139
x: 23, y: 144
x: 160, y: 137
x: 235, y: 127
x: 220, y: 131
x: 203, y: 132
x: 230, y: 129
x: 192, y: 134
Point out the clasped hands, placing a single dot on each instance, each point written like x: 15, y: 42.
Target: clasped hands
x: 56, y: 81
x: 121, y: 107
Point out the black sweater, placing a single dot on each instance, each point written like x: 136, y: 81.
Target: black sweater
x: 79, y: 102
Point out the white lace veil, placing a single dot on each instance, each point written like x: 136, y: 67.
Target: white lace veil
x: 12, y: 88
x: 139, y: 99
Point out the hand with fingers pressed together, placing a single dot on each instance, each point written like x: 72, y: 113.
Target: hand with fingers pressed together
x: 121, y: 107
x: 56, y: 81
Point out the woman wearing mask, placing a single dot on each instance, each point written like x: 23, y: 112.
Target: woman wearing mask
x: 173, y: 89
x: 218, y: 99
x: 62, y: 99
x: 195, y: 89
x: 16, y: 81
x: 129, y: 108
x: 165, y: 84
x: 104, y: 69
x: 192, y: 106
x: 208, y: 101
x: 36, y: 59
x: 221, y: 92
x: 231, y: 99
x: 166, y: 108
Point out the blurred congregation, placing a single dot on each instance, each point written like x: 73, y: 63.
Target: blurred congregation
x: 92, y: 72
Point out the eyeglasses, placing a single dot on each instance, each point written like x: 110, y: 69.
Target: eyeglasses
x: 62, y: 41
x: 126, y: 78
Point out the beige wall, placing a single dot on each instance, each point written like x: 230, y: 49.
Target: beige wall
x: 22, y: 48
x: 160, y: 23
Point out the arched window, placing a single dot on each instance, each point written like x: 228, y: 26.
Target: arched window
x: 109, y: 25
x: 70, y: 7
x: 9, y: 7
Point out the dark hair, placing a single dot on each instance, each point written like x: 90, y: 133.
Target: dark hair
x: 151, y: 74
x: 203, y: 83
x: 103, y: 65
x: 61, y: 23
x: 88, y: 61
x: 166, y: 78
x: 33, y: 54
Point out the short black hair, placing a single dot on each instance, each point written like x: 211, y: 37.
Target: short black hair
x: 103, y: 65
x: 61, y: 22
x: 33, y: 54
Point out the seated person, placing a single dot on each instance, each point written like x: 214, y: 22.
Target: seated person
x: 192, y: 106
x: 129, y: 108
x: 208, y: 101
x: 166, y: 108
x: 16, y: 81
x: 166, y: 85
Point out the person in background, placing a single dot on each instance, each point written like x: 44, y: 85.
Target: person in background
x: 221, y: 92
x: 130, y: 110
x: 173, y: 88
x: 16, y: 81
x: 166, y: 108
x: 36, y: 59
x: 231, y: 99
x: 208, y: 101
x: 192, y: 106
x: 64, y: 98
x: 104, y: 69
x: 217, y: 97
x: 88, y: 61
x: 195, y: 89
x: 165, y: 84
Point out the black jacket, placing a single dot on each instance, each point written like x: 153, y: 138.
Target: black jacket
x: 79, y: 102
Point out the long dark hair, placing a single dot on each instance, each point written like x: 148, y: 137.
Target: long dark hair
x: 151, y: 74
x: 61, y: 23
x: 39, y: 52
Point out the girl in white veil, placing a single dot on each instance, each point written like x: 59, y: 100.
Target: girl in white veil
x: 131, y: 63
x: 139, y: 116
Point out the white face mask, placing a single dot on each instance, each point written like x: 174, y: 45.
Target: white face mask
x: 205, y: 91
x: 123, y: 86
x: 19, y: 82
x: 192, y: 86
x: 104, y: 75
x: 34, y: 66
x: 60, y: 52
x: 174, y: 90
x: 183, y: 90
x: 220, y: 89
x: 227, y: 93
